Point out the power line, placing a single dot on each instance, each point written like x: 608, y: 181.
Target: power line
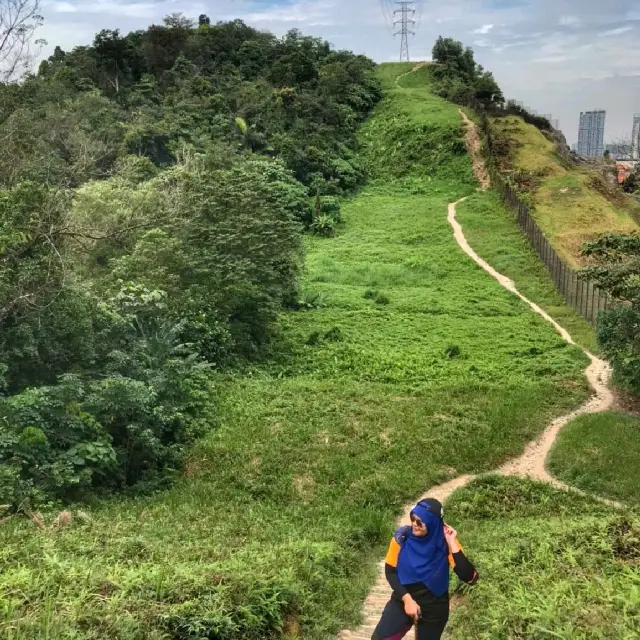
x: 387, y: 13
x: 405, y: 9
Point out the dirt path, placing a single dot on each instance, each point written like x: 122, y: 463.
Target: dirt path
x: 531, y: 464
x: 417, y: 66
x: 474, y: 146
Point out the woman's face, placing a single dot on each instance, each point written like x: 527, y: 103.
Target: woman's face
x: 418, y: 527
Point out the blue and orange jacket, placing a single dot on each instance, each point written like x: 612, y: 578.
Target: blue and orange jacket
x: 460, y: 564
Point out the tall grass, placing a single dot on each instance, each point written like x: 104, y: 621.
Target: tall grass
x: 600, y: 453
x: 493, y: 232
x: 552, y: 564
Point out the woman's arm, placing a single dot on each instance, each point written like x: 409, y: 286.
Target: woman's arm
x: 461, y: 564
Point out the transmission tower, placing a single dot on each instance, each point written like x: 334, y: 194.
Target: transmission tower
x: 405, y: 9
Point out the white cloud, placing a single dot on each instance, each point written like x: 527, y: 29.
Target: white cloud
x: 616, y: 32
x: 310, y: 12
x: 484, y: 29
x: 122, y: 8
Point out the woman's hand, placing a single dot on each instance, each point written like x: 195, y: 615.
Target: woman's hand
x: 451, y: 536
x: 411, y: 607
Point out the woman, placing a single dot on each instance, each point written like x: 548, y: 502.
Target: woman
x: 417, y: 568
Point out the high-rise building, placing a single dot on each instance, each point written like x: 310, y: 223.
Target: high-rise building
x: 591, y: 133
x: 635, y: 137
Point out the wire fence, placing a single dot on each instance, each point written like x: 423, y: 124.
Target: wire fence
x: 587, y: 299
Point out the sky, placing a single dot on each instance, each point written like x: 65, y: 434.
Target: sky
x: 556, y: 56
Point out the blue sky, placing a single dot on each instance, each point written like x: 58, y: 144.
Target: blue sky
x: 557, y: 56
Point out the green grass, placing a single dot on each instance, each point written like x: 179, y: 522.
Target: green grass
x: 552, y: 564
x: 286, y: 507
x: 493, y: 232
x: 568, y: 208
x: 600, y: 453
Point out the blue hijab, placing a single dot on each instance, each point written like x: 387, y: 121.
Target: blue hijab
x: 425, y: 559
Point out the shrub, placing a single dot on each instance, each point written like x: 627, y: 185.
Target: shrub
x: 324, y: 225
x: 616, y: 271
x: 330, y: 206
x: 310, y: 300
x: 50, y: 445
x: 62, y: 440
x: 452, y: 351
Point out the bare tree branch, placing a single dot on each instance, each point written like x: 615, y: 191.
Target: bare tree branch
x: 19, y: 20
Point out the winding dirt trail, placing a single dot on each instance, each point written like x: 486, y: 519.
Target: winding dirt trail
x: 531, y: 464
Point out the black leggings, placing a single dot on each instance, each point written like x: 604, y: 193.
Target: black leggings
x: 395, y: 623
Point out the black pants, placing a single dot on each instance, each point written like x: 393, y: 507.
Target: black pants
x: 395, y: 623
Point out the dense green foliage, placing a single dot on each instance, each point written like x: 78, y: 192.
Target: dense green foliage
x: 556, y: 565
x: 405, y: 365
x: 599, y: 453
x: 459, y: 78
x: 616, y: 270
x: 153, y: 189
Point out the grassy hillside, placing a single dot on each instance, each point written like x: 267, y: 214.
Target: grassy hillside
x: 600, y: 453
x: 571, y: 204
x: 552, y: 564
x: 417, y: 367
x: 492, y: 231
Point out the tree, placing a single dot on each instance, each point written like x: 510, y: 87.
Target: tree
x: 453, y: 54
x: 153, y: 191
x: 19, y: 20
x: 459, y: 77
x: 617, y: 272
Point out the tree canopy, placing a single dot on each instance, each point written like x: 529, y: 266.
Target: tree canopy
x: 616, y: 270
x: 458, y: 77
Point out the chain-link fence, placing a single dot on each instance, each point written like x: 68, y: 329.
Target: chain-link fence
x: 587, y: 299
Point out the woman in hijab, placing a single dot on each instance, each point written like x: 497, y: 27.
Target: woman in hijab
x: 417, y: 568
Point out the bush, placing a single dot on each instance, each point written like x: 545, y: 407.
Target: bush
x: 616, y: 271
x: 452, y: 351
x: 539, y: 122
x: 618, y: 332
x: 61, y: 440
x: 324, y: 225
x: 50, y: 445
x: 330, y: 206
